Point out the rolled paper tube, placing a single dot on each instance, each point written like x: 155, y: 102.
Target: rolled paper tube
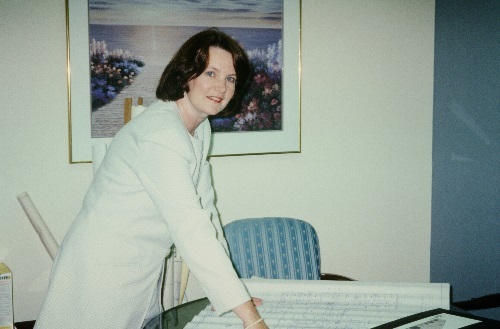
x: 177, y: 279
x: 38, y: 223
x: 98, y: 153
x: 184, y: 280
x: 136, y: 110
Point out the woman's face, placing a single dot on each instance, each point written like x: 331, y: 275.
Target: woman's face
x: 213, y: 89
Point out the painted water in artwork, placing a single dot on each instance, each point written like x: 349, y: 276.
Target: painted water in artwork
x: 128, y: 57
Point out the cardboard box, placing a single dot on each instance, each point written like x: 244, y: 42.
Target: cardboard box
x: 6, y: 301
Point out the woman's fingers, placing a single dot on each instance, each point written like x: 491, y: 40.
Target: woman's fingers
x: 257, y: 301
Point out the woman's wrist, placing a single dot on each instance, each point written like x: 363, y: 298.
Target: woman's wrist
x: 254, y: 324
x: 248, y: 313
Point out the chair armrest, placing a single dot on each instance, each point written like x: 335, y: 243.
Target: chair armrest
x: 334, y: 277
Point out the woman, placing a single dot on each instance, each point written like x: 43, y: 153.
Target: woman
x: 152, y: 190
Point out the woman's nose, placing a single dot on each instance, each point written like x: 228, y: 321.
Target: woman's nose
x: 221, y: 85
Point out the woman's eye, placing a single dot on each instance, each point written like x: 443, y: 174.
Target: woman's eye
x: 211, y: 74
x: 231, y: 79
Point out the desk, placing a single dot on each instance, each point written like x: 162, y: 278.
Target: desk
x: 328, y: 304
x: 177, y: 317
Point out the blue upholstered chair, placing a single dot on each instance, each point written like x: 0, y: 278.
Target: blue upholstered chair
x: 276, y: 248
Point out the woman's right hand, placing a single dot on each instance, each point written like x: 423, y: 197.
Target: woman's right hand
x: 248, y: 313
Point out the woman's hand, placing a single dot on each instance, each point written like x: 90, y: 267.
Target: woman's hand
x: 248, y: 313
x: 255, y: 300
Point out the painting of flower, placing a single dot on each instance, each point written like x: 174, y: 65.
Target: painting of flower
x: 118, y: 49
x: 142, y: 48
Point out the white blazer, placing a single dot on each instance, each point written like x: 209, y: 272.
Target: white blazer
x: 153, y: 189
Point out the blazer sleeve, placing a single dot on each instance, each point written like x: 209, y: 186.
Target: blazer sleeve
x: 206, y: 190
x: 166, y: 176
x: 207, y: 194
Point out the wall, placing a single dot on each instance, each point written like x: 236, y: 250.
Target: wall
x: 466, y: 193
x: 363, y: 178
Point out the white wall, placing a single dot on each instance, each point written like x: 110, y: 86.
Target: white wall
x: 363, y: 178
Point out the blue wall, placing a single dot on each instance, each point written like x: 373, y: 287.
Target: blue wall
x: 465, y: 247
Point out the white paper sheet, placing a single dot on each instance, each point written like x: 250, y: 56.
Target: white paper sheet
x: 332, y: 304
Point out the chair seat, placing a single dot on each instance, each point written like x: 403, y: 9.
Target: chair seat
x: 274, y: 248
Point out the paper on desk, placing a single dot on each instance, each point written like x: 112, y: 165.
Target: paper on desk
x: 332, y: 304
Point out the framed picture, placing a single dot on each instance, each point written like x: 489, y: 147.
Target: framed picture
x: 118, y: 49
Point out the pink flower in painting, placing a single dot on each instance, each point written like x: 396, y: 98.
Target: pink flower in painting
x: 268, y: 89
x: 260, y: 78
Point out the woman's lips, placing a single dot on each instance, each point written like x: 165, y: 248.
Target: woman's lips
x: 215, y: 99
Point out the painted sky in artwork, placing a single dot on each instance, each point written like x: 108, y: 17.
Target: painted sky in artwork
x: 222, y: 13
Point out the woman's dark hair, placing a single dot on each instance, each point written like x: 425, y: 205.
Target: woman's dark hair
x: 192, y: 59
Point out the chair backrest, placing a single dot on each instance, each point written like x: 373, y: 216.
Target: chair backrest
x: 274, y: 248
